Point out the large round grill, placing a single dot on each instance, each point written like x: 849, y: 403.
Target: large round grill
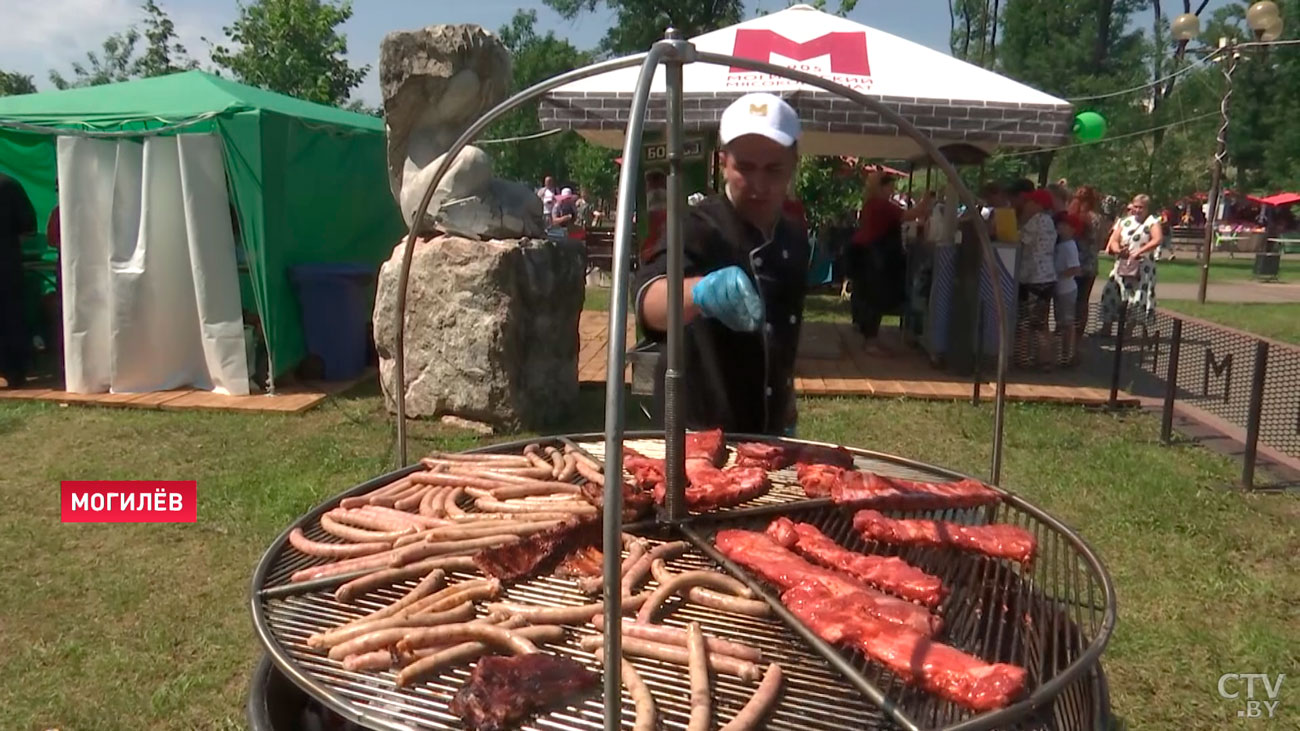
x: 1053, y: 620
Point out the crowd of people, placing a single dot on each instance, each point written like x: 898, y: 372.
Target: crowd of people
x: 564, y: 212
x: 1062, y: 232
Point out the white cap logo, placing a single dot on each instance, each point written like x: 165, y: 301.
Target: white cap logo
x: 761, y: 114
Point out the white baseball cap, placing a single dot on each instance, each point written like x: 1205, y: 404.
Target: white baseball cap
x: 760, y: 114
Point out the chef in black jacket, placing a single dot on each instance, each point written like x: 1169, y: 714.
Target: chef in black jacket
x: 746, y: 269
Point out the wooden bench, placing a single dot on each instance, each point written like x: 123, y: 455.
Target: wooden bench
x: 600, y: 250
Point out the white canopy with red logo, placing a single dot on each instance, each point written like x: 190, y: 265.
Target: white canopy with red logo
x: 950, y: 100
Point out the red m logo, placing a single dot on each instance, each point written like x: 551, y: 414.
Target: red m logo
x: 848, y: 50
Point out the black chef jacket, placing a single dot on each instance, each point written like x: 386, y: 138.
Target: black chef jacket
x: 742, y: 382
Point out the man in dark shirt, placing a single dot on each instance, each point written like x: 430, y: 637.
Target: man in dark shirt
x: 746, y: 268
x: 17, y: 220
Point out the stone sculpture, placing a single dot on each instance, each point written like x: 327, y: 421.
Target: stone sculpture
x: 435, y: 82
x: 492, y: 308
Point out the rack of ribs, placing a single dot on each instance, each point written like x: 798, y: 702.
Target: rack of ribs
x: 868, y: 489
x: 780, y: 456
x: 944, y: 670
x: 778, y: 565
x: 891, y: 574
x: 999, y: 540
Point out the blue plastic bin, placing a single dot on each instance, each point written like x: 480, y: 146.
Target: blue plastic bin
x: 335, y: 307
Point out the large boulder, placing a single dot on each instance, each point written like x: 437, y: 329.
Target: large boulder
x: 491, y: 329
x: 436, y: 82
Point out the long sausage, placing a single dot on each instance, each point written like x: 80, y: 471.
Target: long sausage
x: 341, y: 635
x: 387, y: 637
x: 570, y: 468
x: 362, y: 518
x: 424, y: 549
x: 518, y: 506
x: 490, y: 528
x: 396, y: 486
x: 385, y: 577
x: 637, y: 571
x: 484, y: 518
x: 484, y: 457
x: 389, y: 499
x: 421, y: 521
x: 641, y: 698
x: 449, y: 503
x: 590, y: 473
x: 701, y: 707
x: 427, y: 586
x: 453, y: 596
x: 713, y: 599
x: 557, y: 461
x: 360, y: 535
x: 431, y: 505
x: 536, y: 488
x: 302, y: 543
x: 758, y: 706
x: 742, y: 669
x: 465, y: 652
x: 414, y: 499
x: 636, y: 549
x: 679, y: 582
x: 584, y: 459
x: 536, y: 459
x: 675, y: 636
x: 377, y: 660
x: 445, y: 479
x: 449, y: 633
x: 564, y: 615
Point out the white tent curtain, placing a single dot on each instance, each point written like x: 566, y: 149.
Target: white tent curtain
x: 150, y: 286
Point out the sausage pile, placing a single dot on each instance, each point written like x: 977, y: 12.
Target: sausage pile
x: 510, y: 517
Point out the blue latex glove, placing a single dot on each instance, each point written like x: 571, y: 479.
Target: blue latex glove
x: 728, y: 296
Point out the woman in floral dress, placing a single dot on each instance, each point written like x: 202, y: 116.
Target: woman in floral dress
x: 1134, y: 241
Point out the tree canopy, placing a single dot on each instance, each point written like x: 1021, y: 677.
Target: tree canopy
x: 292, y: 47
x: 13, y: 83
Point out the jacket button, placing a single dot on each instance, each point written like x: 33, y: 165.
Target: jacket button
x: 758, y: 261
x: 794, y: 319
x: 768, y: 327
x: 769, y: 390
x: 785, y: 253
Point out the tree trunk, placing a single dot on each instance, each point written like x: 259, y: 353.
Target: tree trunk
x: 993, y: 36
x: 965, y: 46
x: 1105, y: 11
x: 1045, y: 167
x: 984, y: 32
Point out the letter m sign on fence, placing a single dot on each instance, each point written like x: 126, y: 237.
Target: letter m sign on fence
x: 1220, y: 368
x: 847, y: 50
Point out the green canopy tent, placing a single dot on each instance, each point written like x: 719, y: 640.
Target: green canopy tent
x: 308, y: 182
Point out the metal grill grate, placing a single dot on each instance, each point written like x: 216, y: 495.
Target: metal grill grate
x: 1046, y: 620
x: 1041, y: 619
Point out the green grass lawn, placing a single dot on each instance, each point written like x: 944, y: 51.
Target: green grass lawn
x: 1187, y: 270
x: 1277, y: 320
x: 147, y: 626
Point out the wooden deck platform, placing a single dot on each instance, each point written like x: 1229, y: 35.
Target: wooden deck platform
x: 833, y: 362
x: 292, y: 399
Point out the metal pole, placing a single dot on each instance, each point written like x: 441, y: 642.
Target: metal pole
x: 612, y: 508
x: 1253, y: 415
x: 1216, y: 172
x: 1171, y: 384
x: 674, y: 427
x: 979, y: 354
x: 1119, y: 356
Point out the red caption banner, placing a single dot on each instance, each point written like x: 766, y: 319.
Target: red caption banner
x: 130, y: 501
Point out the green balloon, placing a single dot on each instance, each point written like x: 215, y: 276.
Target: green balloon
x: 1089, y: 126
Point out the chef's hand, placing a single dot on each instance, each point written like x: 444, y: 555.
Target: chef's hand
x: 728, y: 296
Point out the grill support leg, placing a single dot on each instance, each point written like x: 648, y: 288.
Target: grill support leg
x: 1171, y: 384
x: 1254, y: 414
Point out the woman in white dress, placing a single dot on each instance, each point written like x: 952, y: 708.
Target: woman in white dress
x: 1134, y: 241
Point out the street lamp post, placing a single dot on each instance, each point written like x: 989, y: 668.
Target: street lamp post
x: 1266, y: 24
